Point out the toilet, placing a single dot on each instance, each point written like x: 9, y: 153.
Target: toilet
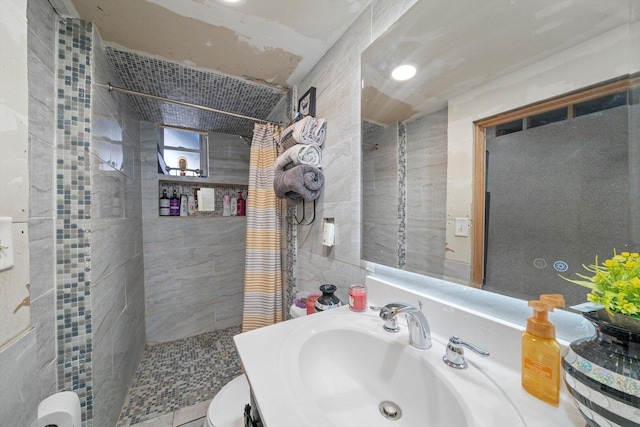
x: 227, y: 408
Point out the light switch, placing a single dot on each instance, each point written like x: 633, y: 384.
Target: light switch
x: 6, y: 243
x: 462, y: 227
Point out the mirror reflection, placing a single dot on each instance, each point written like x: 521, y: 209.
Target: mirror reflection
x: 512, y: 155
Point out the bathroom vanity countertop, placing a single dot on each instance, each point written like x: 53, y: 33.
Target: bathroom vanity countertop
x: 261, y: 354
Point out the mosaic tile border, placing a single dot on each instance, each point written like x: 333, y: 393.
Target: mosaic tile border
x: 402, y: 194
x: 290, y: 227
x: 73, y: 212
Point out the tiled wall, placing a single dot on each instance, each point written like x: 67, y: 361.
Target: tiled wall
x: 381, y: 201
x: 75, y: 197
x: 426, y: 194
x: 117, y: 279
x: 100, y: 294
x: 338, y: 83
x: 404, y: 194
x: 194, y: 266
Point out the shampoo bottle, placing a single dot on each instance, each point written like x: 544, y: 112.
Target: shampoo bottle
x: 174, y: 204
x: 226, y: 205
x: 241, y: 205
x: 164, y: 204
x: 541, y: 351
x: 234, y: 206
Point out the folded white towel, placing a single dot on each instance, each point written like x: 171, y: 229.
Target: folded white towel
x: 308, y: 131
x: 300, y: 154
x: 305, y: 132
x: 310, y: 155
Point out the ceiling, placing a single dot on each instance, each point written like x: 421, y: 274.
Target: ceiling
x: 263, y: 47
x: 459, y: 45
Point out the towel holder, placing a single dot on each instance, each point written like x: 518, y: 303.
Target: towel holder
x: 304, y: 214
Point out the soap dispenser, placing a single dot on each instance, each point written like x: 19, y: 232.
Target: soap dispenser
x: 541, y: 351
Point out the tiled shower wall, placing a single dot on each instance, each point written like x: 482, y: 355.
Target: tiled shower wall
x: 404, y: 193
x: 194, y: 265
x: 426, y: 193
x: 100, y: 294
x: 380, y: 186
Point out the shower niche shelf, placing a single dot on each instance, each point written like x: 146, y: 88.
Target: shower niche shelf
x: 189, y: 185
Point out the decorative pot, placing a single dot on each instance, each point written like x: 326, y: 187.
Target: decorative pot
x: 327, y: 300
x: 602, y: 373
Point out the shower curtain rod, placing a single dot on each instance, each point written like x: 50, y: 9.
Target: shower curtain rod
x: 184, y: 104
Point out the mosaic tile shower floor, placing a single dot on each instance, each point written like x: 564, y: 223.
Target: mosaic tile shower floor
x: 179, y: 374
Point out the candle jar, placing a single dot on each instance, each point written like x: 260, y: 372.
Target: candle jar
x: 311, y: 303
x: 358, y: 298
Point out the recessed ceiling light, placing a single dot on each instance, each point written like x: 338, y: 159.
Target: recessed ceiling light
x: 403, y: 72
x: 231, y: 1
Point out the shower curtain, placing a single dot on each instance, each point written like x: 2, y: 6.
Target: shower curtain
x: 262, y: 277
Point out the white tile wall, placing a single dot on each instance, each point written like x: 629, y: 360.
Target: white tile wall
x: 337, y: 81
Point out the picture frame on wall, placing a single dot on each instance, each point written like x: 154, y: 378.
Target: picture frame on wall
x: 307, y: 103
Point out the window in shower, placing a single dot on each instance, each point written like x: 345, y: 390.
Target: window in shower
x: 184, y: 152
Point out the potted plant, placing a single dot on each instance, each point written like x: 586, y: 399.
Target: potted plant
x: 615, y: 284
x: 602, y: 371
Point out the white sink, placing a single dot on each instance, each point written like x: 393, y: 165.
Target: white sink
x: 338, y: 368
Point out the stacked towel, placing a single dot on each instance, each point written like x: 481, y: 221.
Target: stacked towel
x: 307, y: 131
x: 299, y: 182
x: 300, y: 155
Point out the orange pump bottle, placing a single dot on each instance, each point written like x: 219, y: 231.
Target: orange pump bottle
x: 541, y: 351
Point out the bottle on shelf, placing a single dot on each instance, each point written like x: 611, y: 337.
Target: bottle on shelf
x: 241, y: 205
x: 226, y: 205
x: 164, y: 204
x: 234, y: 205
x: 174, y: 204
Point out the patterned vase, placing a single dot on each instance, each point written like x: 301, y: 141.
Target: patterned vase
x: 327, y: 300
x: 602, y: 373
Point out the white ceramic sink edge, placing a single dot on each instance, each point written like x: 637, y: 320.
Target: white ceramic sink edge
x: 270, y: 363
x: 349, y: 365
x: 501, y: 338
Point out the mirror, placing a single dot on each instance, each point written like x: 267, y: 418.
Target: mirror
x: 433, y: 200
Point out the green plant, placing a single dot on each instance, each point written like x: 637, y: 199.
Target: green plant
x: 615, y: 283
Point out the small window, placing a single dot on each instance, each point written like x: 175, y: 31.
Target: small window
x: 185, y: 152
x: 599, y: 104
x: 507, y: 128
x: 548, y: 117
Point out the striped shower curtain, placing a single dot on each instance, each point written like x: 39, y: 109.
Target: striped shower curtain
x: 262, y: 276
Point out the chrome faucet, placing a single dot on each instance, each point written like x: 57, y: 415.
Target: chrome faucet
x: 419, y: 331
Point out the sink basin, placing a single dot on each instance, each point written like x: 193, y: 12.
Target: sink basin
x: 344, y: 369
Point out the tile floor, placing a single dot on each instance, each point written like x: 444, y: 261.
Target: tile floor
x: 176, y: 380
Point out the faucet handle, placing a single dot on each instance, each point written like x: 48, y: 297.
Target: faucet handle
x: 390, y: 324
x: 454, y: 355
